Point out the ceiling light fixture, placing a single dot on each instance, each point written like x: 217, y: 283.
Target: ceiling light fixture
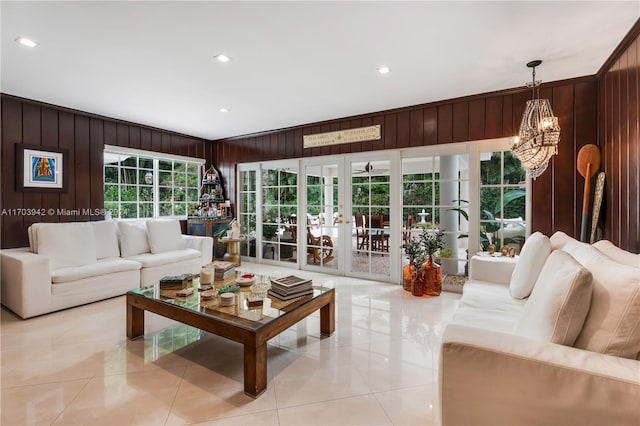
x: 383, y: 70
x: 224, y: 110
x: 26, y: 42
x: 539, y: 133
x: 222, y: 58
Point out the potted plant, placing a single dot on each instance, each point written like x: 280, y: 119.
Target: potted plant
x: 415, y: 252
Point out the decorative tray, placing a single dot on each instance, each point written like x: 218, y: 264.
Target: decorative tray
x: 246, y: 280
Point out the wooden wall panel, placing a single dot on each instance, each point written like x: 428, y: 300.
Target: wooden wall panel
x: 49, y: 131
x: 460, y: 129
x: 31, y: 135
x: 619, y: 123
x: 11, y: 199
x: 564, y: 178
x: 82, y: 168
x: 96, y: 154
x: 494, y: 117
x: 83, y: 136
x: 66, y: 126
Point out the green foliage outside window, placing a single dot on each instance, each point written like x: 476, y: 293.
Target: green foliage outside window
x: 129, y: 191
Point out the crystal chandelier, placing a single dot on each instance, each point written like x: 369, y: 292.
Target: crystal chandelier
x: 539, y: 132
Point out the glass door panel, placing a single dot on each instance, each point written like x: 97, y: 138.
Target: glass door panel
x: 322, y: 219
x: 372, y: 242
x: 435, y: 194
x: 247, y: 212
x: 279, y: 213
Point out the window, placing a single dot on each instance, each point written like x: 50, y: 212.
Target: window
x: 247, y: 212
x: 279, y: 206
x: 502, y: 199
x: 435, y: 196
x: 143, y: 184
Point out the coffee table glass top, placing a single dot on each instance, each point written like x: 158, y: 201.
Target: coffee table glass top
x: 240, y: 313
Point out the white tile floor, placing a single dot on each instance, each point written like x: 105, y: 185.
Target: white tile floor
x: 379, y: 367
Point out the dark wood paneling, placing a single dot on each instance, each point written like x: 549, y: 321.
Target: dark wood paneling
x: 417, y: 128
x: 83, y: 136
x: 476, y: 119
x: 430, y: 117
x: 390, y: 130
x: 82, y: 166
x: 96, y: 175
x: 445, y: 123
x: 122, y: 134
x: 403, y: 135
x: 619, y: 122
x: 31, y: 135
x: 460, y: 122
x: 564, y: 180
x: 66, y: 125
x: 134, y: 137
x: 493, y: 117
x: 11, y: 135
x: 49, y: 131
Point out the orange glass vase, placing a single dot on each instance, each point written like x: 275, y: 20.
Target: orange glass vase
x: 417, y: 285
x: 408, y: 274
x: 432, y: 277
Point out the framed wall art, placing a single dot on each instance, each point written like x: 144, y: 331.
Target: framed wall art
x: 40, y: 169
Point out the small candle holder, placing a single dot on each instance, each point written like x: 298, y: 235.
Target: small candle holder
x: 206, y: 275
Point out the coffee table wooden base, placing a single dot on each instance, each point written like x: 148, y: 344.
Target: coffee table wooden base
x: 254, y: 341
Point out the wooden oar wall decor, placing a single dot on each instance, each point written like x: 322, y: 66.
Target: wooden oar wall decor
x: 588, y: 166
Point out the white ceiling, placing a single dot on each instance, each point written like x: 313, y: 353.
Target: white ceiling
x: 293, y: 62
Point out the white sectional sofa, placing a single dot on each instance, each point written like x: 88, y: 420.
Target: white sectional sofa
x: 552, y: 339
x: 69, y: 264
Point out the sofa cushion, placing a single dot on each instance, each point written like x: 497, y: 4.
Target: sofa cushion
x: 149, y: 260
x: 164, y: 235
x: 66, y: 244
x: 617, y: 254
x: 106, y: 236
x: 533, y: 255
x: 613, y: 322
x: 488, y: 306
x: 559, y: 302
x: 102, y: 267
x: 133, y: 238
x: 561, y: 241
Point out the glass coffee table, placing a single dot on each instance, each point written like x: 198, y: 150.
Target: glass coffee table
x: 252, y: 326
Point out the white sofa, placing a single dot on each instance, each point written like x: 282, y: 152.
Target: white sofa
x: 70, y: 264
x: 567, y: 354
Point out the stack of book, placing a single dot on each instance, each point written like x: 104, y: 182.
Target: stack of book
x: 222, y: 270
x: 290, y: 287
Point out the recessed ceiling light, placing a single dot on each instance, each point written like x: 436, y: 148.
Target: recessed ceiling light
x: 383, y: 70
x: 26, y: 42
x: 222, y: 58
x: 224, y: 110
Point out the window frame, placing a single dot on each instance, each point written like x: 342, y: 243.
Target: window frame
x: 189, y: 163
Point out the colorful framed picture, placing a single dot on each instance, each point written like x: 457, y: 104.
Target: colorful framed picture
x: 39, y: 169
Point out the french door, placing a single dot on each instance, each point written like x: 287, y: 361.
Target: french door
x: 351, y: 227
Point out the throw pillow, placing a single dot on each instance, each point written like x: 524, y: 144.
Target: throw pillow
x: 561, y: 241
x: 164, y: 235
x: 66, y: 244
x: 532, y: 258
x: 559, y: 302
x: 617, y: 254
x: 613, y: 322
x: 133, y: 238
x: 106, y: 236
